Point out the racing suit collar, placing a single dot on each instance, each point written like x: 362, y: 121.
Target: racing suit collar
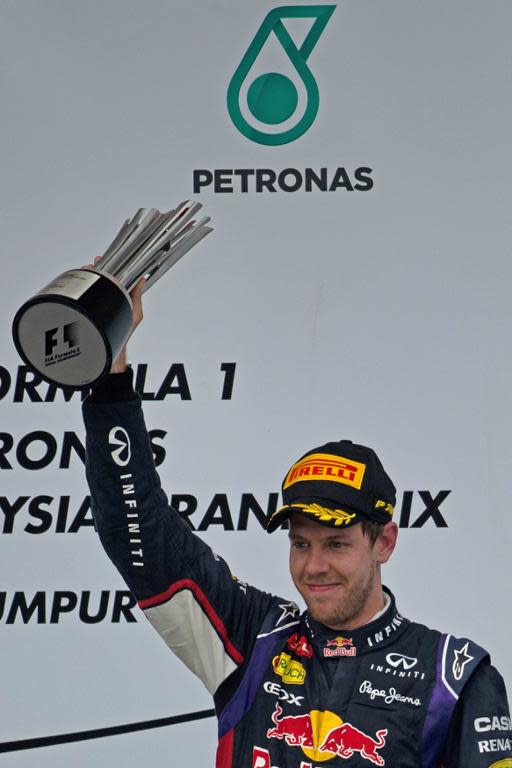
x: 383, y: 629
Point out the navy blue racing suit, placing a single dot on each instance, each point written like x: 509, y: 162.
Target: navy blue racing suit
x: 288, y: 692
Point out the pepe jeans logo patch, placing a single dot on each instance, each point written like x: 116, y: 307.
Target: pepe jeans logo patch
x: 387, y: 695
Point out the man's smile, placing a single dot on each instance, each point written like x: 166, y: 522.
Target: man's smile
x: 320, y: 588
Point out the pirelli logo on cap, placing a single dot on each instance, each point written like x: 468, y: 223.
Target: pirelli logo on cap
x: 325, y: 466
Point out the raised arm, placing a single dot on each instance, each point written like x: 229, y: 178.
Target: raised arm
x: 207, y: 617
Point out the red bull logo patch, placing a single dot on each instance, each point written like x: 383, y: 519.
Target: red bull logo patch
x: 324, y: 735
x: 296, y: 730
x: 340, y: 646
x: 346, y: 740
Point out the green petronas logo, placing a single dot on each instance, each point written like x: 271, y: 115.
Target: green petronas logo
x: 276, y: 107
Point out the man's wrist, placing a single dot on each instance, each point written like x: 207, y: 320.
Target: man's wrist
x: 115, y: 387
x: 120, y: 364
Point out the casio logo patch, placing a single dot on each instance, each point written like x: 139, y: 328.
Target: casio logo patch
x: 495, y: 723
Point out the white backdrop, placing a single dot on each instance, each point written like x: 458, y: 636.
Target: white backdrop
x: 380, y: 315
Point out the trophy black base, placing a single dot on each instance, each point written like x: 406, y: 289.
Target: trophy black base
x: 74, y: 328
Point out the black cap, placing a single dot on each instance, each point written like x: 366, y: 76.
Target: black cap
x: 338, y: 484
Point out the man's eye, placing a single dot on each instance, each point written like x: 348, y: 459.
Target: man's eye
x: 298, y: 545
x: 337, y: 544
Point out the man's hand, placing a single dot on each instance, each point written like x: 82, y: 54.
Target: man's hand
x: 120, y: 363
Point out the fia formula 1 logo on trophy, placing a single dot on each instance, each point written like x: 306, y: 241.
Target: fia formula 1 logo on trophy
x: 276, y: 107
x: 61, y: 342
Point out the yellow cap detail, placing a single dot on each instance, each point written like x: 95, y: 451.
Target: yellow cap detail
x: 338, y: 516
x: 386, y: 506
x: 326, y: 467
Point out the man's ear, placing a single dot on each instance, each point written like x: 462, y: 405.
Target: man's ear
x: 386, y: 542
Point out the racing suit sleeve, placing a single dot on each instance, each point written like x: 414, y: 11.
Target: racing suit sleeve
x: 480, y: 731
x: 207, y: 618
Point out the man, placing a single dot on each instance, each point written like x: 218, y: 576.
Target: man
x: 350, y: 681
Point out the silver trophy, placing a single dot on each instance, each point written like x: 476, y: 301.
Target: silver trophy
x: 72, y: 330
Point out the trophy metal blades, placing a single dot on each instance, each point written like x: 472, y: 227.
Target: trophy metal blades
x: 72, y: 330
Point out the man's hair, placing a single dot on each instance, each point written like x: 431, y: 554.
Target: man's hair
x: 372, y: 529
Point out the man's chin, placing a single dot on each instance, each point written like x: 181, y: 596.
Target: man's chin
x: 335, y: 621
x: 329, y: 614
x: 323, y: 615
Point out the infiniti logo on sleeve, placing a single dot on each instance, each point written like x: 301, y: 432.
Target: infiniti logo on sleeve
x: 121, y: 454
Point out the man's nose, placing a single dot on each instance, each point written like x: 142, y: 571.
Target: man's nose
x: 317, y: 562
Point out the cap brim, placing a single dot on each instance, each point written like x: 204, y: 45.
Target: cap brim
x: 332, y: 517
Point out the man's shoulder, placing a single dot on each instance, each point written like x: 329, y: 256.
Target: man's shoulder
x: 282, y: 614
x: 449, y: 643
x: 456, y: 657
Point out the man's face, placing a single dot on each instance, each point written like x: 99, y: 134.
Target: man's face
x: 337, y: 572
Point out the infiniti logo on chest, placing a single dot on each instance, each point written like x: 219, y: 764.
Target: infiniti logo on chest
x: 399, y: 665
x: 398, y: 660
